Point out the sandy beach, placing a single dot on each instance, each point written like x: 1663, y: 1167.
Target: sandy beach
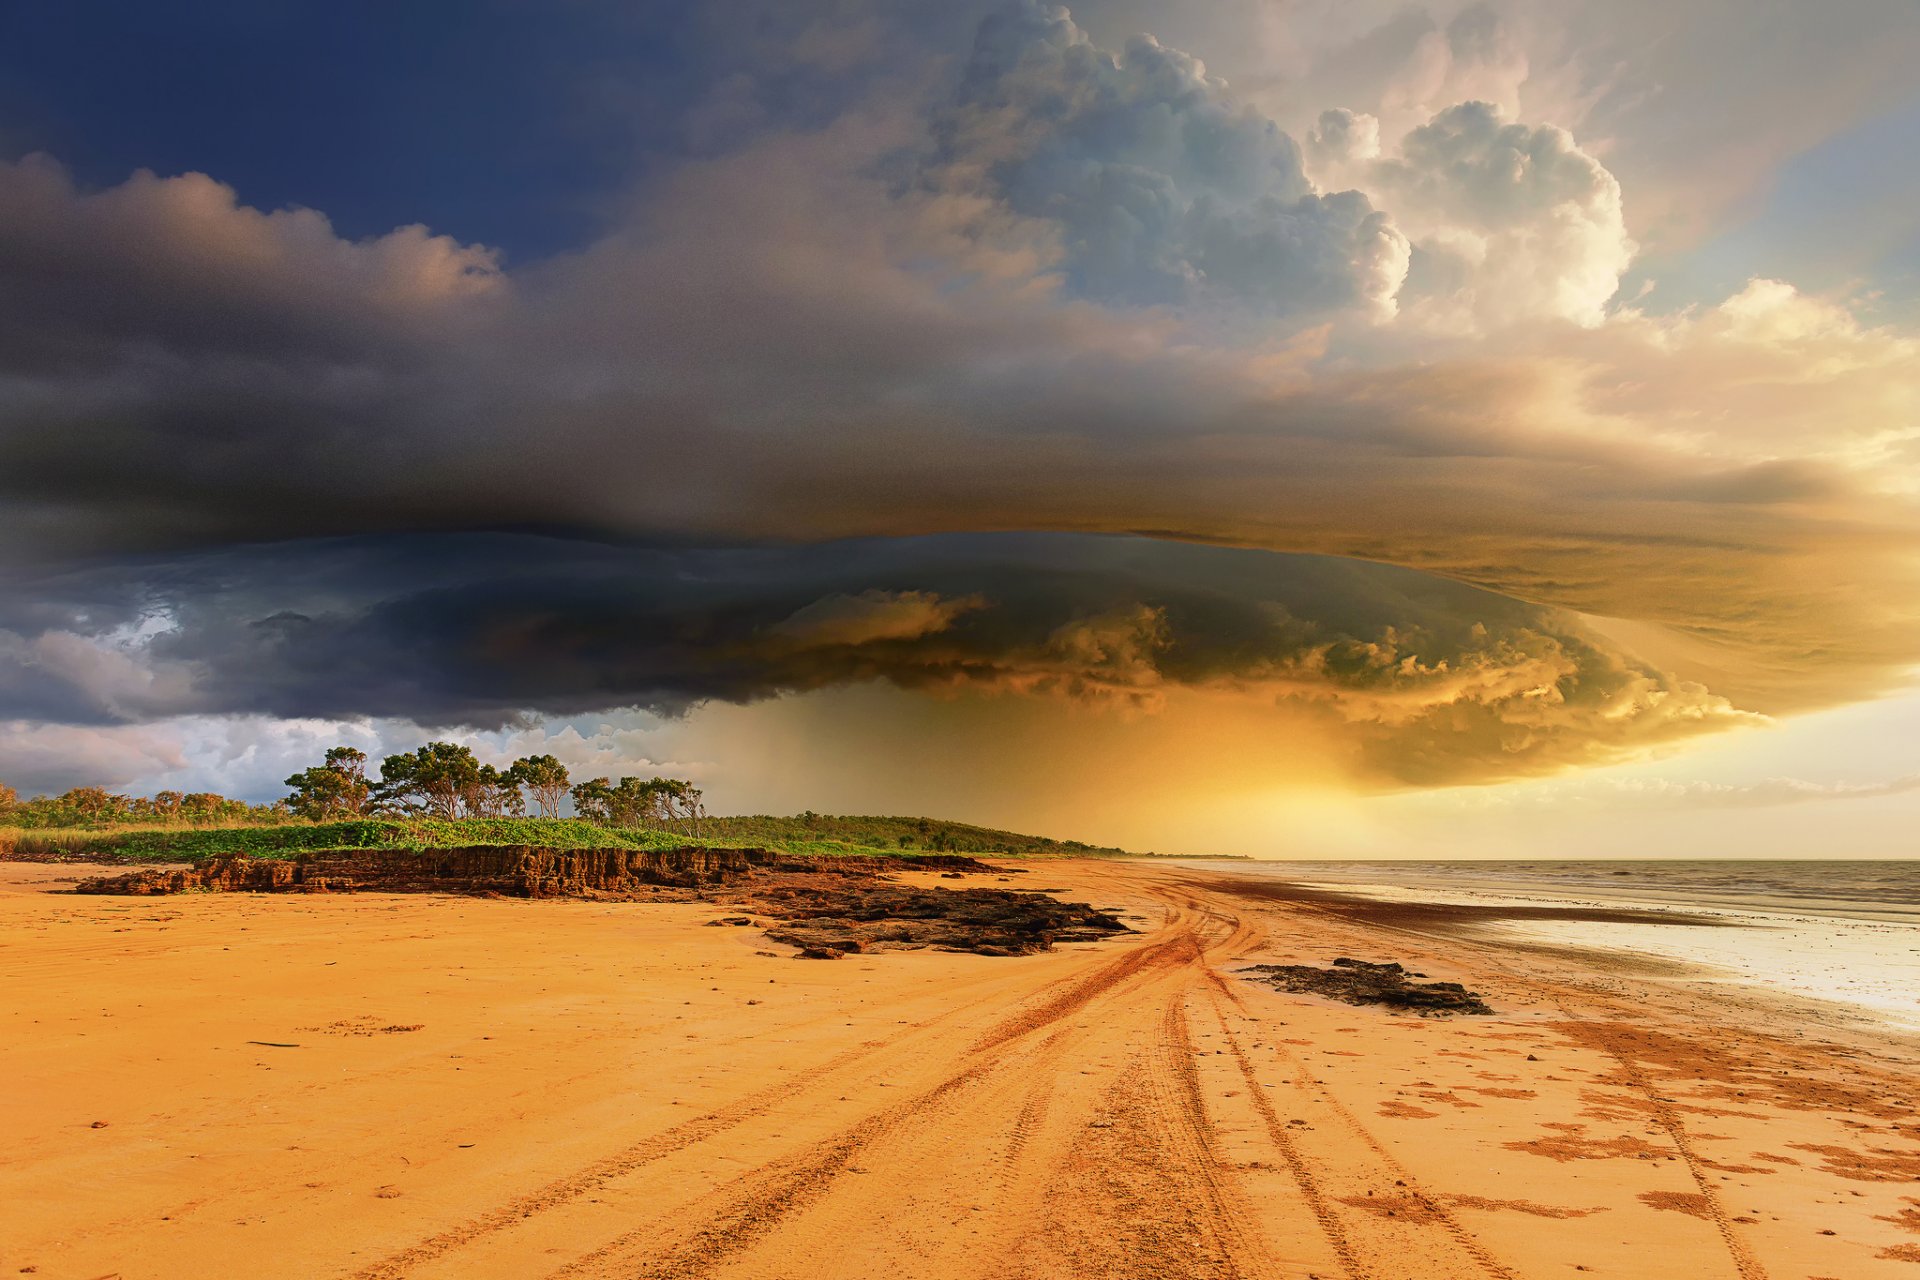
x: 375, y: 1086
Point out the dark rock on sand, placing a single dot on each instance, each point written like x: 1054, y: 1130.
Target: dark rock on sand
x: 826, y: 906
x: 1359, y: 982
x: 875, y: 915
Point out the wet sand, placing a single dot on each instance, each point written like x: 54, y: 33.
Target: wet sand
x: 374, y: 1085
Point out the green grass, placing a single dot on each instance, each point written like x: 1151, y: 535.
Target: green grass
x: 896, y: 835
x: 816, y: 835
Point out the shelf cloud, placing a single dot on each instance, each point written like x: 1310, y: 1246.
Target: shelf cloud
x: 849, y: 388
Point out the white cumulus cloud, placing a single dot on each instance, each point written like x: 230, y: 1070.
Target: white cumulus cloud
x: 1157, y: 185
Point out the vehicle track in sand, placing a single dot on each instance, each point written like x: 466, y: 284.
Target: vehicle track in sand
x: 1073, y: 1127
x: 1140, y: 1190
x: 1468, y: 1256
x: 1130, y: 1109
x: 1746, y: 1264
x: 791, y: 1181
x: 590, y: 1178
x: 1000, y: 1088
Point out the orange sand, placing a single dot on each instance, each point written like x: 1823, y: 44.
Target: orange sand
x: 481, y: 1088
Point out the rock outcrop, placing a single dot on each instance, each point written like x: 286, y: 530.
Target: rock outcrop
x: 1360, y: 982
x: 824, y: 906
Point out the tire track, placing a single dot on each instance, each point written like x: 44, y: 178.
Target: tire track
x: 743, y: 1212
x: 1081, y: 989
x: 755, y: 1204
x: 1176, y: 1086
x: 597, y: 1175
x: 1297, y: 1164
x: 1470, y: 1244
x: 1746, y: 1265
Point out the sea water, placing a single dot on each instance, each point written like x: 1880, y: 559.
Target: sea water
x: 1845, y: 933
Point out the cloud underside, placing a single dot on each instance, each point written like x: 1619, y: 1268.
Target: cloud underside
x: 1421, y: 680
x: 1065, y: 288
x: 777, y: 371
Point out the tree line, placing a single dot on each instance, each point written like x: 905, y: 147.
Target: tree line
x: 440, y: 780
x: 446, y: 780
x: 98, y: 807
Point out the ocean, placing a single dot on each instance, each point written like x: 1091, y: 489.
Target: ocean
x: 1843, y: 933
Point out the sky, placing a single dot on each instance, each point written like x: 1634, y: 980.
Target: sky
x: 1273, y: 427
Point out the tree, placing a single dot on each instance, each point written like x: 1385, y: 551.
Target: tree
x: 593, y: 800
x: 92, y: 805
x: 336, y: 789
x: 545, y: 777
x: 493, y: 793
x: 640, y: 802
x: 9, y: 800
x: 681, y: 802
x: 436, y: 779
x: 167, y: 805
x: 632, y: 803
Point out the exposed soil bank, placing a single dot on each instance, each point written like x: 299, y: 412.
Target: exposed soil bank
x: 1358, y: 982
x: 519, y: 871
x: 833, y: 905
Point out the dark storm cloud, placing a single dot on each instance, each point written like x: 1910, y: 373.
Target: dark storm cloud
x: 912, y: 304
x: 1439, y: 681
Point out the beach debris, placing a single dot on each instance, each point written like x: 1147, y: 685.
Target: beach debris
x: 1362, y: 982
x: 365, y: 1026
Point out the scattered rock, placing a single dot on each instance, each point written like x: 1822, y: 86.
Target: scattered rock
x: 878, y: 915
x: 1362, y: 983
x: 822, y: 905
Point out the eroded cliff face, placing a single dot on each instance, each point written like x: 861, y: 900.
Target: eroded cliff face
x: 825, y: 906
x: 521, y: 871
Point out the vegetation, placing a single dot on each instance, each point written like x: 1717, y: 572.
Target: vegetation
x: 445, y: 780
x: 924, y: 834
x: 94, y: 807
x: 174, y: 844
x: 189, y: 844
x: 545, y: 778
x: 336, y: 789
x: 665, y: 802
x: 442, y: 795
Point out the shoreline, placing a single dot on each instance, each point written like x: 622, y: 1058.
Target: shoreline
x: 378, y: 1085
x: 1456, y: 876
x: 1850, y: 964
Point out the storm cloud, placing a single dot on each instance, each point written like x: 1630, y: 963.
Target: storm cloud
x: 751, y: 438
x: 1441, y: 681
